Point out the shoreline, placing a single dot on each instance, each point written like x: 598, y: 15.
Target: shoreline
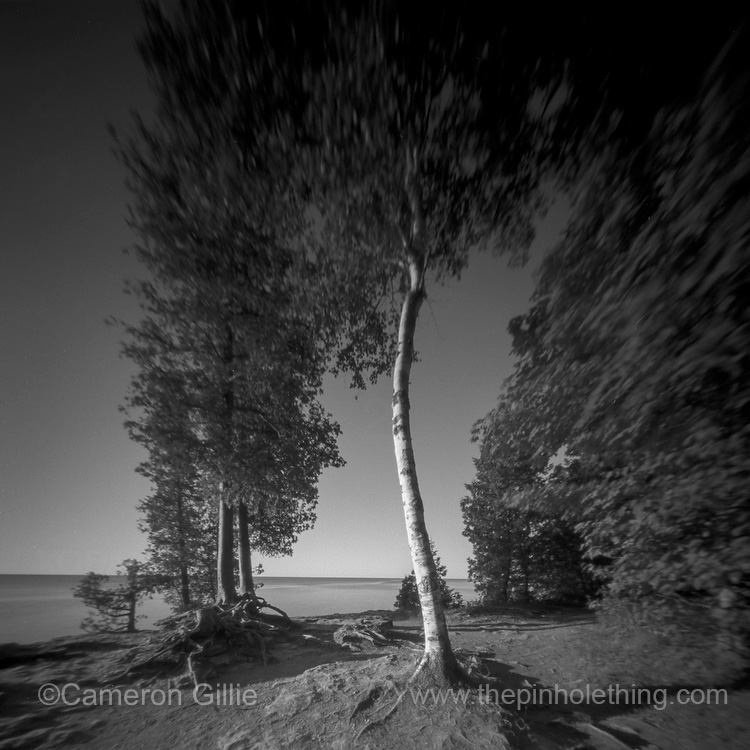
x: 38, y: 608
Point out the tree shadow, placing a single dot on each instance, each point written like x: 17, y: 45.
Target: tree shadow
x: 517, y: 618
x: 566, y: 717
x: 519, y: 627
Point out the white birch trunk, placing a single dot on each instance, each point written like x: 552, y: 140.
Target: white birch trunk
x: 438, y: 660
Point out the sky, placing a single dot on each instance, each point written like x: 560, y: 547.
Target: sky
x: 68, y: 487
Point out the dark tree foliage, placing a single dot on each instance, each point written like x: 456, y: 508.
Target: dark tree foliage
x: 234, y: 340
x: 634, y: 361
x: 521, y: 553
x: 181, y: 529
x: 179, y: 523
x: 113, y: 608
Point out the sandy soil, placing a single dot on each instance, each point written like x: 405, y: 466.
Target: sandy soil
x: 315, y: 693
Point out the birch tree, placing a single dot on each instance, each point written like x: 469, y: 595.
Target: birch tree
x: 417, y: 158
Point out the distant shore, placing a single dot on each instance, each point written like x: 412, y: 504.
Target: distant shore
x: 37, y: 608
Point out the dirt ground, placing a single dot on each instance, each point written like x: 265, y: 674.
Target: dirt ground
x: 315, y: 693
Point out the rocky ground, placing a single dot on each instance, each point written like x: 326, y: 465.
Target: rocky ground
x: 325, y: 686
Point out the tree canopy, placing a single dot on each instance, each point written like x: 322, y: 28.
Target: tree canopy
x: 234, y: 340
x: 633, y: 361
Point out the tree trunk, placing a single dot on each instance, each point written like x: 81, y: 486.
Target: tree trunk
x: 225, y: 557
x: 225, y: 561
x: 505, y: 581
x: 438, y: 660
x: 247, y: 589
x: 131, y: 612
x: 182, y: 547
x: 525, y: 562
x: 185, y: 586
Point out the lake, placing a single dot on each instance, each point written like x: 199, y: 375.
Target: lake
x: 39, y: 607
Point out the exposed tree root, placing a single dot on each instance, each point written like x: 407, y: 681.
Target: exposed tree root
x: 379, y: 720
x: 468, y: 673
x: 375, y: 631
x: 250, y: 605
x: 194, y: 637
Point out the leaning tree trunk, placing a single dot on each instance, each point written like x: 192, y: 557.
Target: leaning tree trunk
x: 247, y: 589
x: 438, y: 660
x: 225, y: 561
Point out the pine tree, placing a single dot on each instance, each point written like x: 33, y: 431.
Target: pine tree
x: 408, y: 595
x: 232, y: 346
x: 113, y: 609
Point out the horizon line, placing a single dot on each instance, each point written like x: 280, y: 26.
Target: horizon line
x: 262, y: 575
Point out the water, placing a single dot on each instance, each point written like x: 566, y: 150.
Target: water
x: 39, y: 607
